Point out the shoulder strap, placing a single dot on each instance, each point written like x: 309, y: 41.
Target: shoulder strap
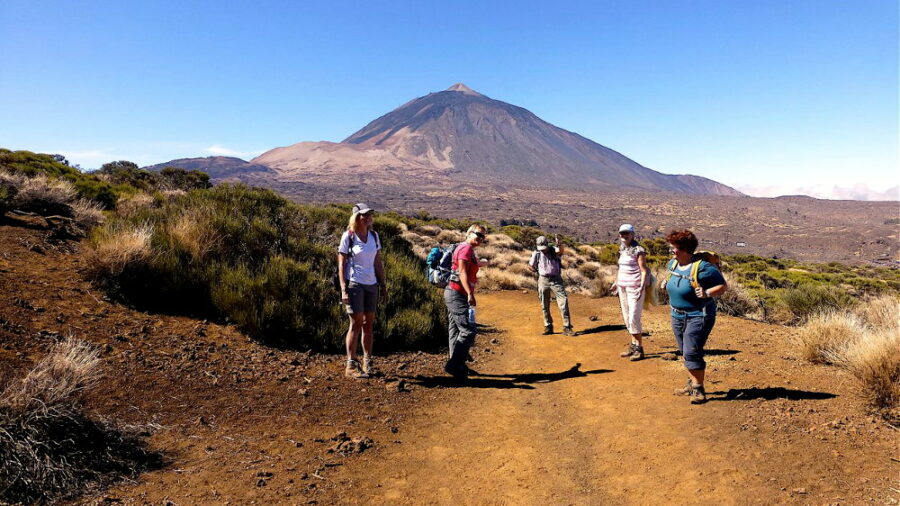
x: 695, y: 273
x: 377, y: 241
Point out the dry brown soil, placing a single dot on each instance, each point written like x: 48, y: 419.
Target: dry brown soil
x: 550, y: 420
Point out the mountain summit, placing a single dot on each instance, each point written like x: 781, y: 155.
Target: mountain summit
x: 463, y: 135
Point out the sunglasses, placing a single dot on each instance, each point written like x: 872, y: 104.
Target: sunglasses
x: 479, y: 235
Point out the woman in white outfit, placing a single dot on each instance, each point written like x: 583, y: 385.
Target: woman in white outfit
x: 630, y: 283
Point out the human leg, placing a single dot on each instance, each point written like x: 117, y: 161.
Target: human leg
x: 544, y: 296
x: 562, y: 301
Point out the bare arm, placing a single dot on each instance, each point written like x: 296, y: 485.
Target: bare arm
x: 645, y: 271
x: 464, y: 280
x: 715, y: 291
x: 342, y: 265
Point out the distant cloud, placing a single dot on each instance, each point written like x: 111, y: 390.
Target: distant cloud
x: 859, y: 191
x: 219, y: 150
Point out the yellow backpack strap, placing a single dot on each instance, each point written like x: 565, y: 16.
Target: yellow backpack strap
x: 695, y: 273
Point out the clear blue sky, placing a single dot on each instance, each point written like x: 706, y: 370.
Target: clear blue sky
x: 760, y: 93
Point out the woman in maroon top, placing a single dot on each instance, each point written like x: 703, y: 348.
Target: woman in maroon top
x: 459, y: 297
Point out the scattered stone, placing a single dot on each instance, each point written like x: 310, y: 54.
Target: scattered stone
x: 265, y: 474
x: 593, y: 318
x: 798, y: 491
x: 495, y: 341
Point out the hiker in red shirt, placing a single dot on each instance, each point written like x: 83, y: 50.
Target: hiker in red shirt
x: 460, y: 297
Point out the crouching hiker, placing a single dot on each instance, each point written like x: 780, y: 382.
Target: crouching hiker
x: 693, y: 282
x: 459, y: 296
x: 545, y: 261
x: 361, y: 277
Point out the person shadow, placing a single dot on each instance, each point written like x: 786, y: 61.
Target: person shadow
x: 601, y: 328
x: 515, y: 380
x: 769, y: 394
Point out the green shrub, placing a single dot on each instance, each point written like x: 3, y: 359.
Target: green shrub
x: 86, y: 185
x: 805, y: 300
x: 252, y: 257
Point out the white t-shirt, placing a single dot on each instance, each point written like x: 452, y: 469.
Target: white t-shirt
x: 361, y: 263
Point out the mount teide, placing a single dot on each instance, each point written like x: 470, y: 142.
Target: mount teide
x: 460, y: 135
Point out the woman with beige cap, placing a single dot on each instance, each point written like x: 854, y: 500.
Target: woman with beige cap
x: 361, y: 276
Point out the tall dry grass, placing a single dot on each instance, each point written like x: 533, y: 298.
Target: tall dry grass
x: 49, y: 449
x: 119, y: 247
x: 865, y: 342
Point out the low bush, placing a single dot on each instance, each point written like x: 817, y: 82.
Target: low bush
x: 737, y: 301
x: 49, y: 448
x: 797, y: 304
x: 250, y: 256
x: 54, y: 167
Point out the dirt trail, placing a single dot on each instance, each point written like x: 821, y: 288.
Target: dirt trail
x: 564, y: 420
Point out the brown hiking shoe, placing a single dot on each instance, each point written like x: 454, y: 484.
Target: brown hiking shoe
x: 368, y: 366
x: 687, y: 390
x: 637, y: 354
x: 547, y: 330
x: 630, y: 351
x: 698, y: 396
x: 568, y: 331
x: 354, y: 371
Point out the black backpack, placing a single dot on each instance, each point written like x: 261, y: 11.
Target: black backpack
x: 335, y: 277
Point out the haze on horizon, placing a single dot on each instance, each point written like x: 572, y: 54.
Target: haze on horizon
x: 770, y: 97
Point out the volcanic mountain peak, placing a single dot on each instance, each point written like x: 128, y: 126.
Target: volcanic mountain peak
x: 460, y: 87
x: 461, y: 135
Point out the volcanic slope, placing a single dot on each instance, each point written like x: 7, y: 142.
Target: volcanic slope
x: 461, y: 135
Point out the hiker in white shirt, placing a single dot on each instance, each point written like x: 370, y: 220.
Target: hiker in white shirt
x: 361, y: 275
x: 631, y: 283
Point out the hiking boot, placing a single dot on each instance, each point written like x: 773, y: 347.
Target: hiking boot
x: 687, y: 390
x: 354, y: 371
x: 368, y: 366
x: 632, y: 348
x: 698, y: 396
x: 458, y: 373
x: 567, y: 331
x: 548, y: 330
x: 637, y: 354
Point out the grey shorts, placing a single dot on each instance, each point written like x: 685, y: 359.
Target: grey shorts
x: 363, y: 298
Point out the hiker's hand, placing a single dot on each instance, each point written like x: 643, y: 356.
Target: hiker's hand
x: 472, y: 299
x: 701, y: 293
x: 345, y: 299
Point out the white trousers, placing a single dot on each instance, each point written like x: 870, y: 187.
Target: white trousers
x: 632, y: 306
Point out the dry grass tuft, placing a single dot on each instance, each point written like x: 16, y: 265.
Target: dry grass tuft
x: 826, y: 334
x: 450, y: 236
x: 874, y: 360
x: 117, y: 249
x: 134, y: 203
x: 48, y: 448
x: 87, y: 213
x: 44, y: 196
x: 503, y: 241
x: 737, y: 301
x: 430, y: 230
x: 194, y: 232
x: 865, y: 343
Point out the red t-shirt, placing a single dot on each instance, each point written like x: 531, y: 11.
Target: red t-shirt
x: 466, y: 252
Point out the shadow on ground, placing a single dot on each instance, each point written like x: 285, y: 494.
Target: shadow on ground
x: 600, y: 328
x: 518, y: 380
x: 769, y: 394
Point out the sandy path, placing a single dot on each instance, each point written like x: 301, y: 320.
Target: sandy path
x: 558, y: 420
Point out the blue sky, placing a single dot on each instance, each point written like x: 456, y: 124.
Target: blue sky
x: 791, y: 95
